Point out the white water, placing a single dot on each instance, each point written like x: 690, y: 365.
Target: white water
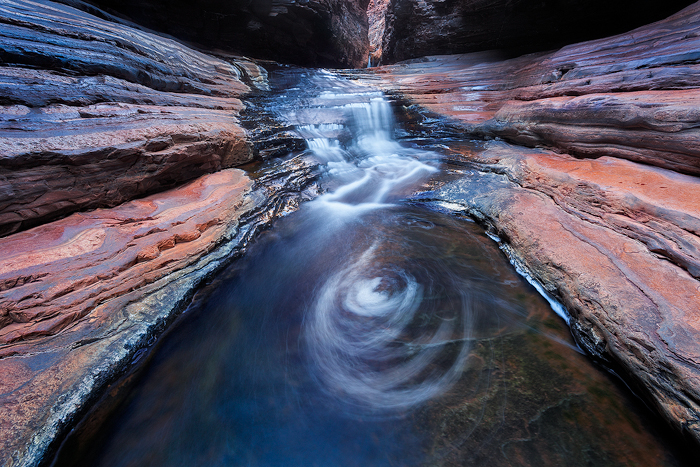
x: 359, y: 328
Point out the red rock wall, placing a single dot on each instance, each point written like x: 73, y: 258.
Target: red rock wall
x: 94, y: 113
x: 598, y: 212
x: 633, y: 96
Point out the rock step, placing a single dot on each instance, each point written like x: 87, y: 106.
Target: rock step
x: 81, y: 295
x: 617, y: 243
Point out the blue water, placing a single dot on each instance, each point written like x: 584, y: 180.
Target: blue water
x: 367, y: 329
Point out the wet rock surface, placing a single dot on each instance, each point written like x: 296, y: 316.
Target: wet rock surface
x: 97, y: 113
x: 606, y: 224
x: 630, y: 96
x: 117, y: 201
x: 603, y: 238
x: 109, y: 280
x: 330, y: 33
x: 415, y: 28
x: 84, y: 297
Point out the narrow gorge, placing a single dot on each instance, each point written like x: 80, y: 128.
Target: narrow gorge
x: 349, y: 232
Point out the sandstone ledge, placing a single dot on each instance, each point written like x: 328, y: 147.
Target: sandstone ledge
x: 95, y: 113
x: 633, y: 96
x: 80, y: 297
x: 602, y: 237
x: 612, y: 232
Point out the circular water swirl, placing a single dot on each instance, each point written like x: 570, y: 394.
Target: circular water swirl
x: 379, y: 341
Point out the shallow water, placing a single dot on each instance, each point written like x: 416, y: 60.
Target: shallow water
x: 367, y: 330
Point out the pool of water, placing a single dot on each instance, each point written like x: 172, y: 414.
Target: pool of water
x: 368, y: 330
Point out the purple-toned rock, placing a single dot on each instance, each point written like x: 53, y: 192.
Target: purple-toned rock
x: 95, y: 113
x: 415, y: 28
x: 329, y: 33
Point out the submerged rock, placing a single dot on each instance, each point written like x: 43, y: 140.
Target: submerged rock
x: 616, y: 242
x: 614, y: 232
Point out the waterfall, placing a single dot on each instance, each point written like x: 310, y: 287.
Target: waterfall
x: 374, y: 170
x: 362, y: 328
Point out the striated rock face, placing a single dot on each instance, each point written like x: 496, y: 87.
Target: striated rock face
x: 606, y: 224
x: 617, y: 243
x: 106, y: 124
x: 330, y: 33
x: 42, y: 276
x: 633, y: 96
x: 415, y: 28
x: 96, y: 113
x: 109, y: 280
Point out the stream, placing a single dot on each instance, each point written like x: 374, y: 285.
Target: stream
x: 368, y: 328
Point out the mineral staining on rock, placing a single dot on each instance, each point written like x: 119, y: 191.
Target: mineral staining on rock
x: 95, y: 113
x: 614, y: 232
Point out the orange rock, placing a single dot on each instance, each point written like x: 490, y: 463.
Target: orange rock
x: 79, y: 295
x: 611, y: 233
x: 632, y: 96
x: 618, y: 243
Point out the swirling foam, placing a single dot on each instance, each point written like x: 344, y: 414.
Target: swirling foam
x: 366, y: 343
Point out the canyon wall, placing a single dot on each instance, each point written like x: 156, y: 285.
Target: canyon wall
x: 415, y: 28
x: 117, y: 200
x: 94, y: 114
x: 325, y: 33
x: 589, y: 177
x: 119, y: 196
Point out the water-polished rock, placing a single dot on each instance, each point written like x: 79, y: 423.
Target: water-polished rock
x: 617, y: 243
x: 330, y: 33
x: 80, y: 296
x: 608, y: 221
x: 415, y: 28
x: 95, y: 113
x: 632, y: 96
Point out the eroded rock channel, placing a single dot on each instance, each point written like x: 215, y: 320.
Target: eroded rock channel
x: 371, y: 326
x: 371, y: 321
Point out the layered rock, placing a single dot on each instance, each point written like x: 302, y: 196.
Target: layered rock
x: 330, y: 33
x: 606, y: 224
x: 632, y: 96
x: 82, y: 295
x: 415, y: 28
x: 616, y: 243
x: 95, y: 113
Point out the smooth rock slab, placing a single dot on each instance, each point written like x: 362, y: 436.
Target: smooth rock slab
x: 59, y: 159
x: 632, y: 96
x: 94, y: 113
x: 80, y: 296
x: 616, y: 243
